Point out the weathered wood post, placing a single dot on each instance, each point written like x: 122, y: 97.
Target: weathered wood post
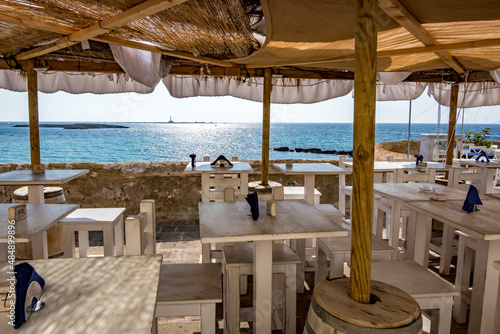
x: 266, y: 124
x: 346, y: 305
x: 33, y: 115
x: 365, y: 72
x: 452, y: 123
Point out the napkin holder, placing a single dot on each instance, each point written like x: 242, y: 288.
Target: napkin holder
x: 39, y: 169
x: 289, y: 164
x: 471, y: 200
x: 420, y: 160
x: 29, y: 289
x: 17, y: 212
x: 482, y: 157
x: 221, y: 161
x: 272, y: 208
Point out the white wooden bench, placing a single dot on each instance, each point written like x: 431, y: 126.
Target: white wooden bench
x: 183, y: 289
x: 298, y: 193
x: 338, y: 250
x: 107, y: 220
x: 238, y: 261
x: 429, y: 290
x: 190, y: 290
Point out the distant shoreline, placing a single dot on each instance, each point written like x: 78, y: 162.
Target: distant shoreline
x: 76, y: 126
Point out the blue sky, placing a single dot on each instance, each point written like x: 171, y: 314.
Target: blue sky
x: 159, y: 106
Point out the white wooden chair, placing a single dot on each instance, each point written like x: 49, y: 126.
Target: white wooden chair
x: 385, y: 206
x: 429, y: 290
x: 183, y: 289
x: 238, y: 262
x: 344, y: 189
x: 465, y: 264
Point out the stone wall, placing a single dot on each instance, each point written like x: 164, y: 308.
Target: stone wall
x: 176, y: 194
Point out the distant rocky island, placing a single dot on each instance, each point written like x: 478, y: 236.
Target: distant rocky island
x: 312, y: 150
x: 78, y: 126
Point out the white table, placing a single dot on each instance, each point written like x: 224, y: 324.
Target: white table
x: 488, y: 168
x: 40, y: 217
x: 239, y: 178
x: 94, y: 295
x: 401, y: 194
x: 107, y: 220
x: 310, y: 170
x: 35, y: 182
x: 230, y: 222
x: 482, y: 225
x: 388, y: 167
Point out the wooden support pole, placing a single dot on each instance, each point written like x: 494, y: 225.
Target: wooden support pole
x: 266, y: 124
x: 365, y: 66
x: 452, y: 123
x: 33, y: 115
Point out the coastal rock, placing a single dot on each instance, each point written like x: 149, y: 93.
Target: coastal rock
x: 313, y: 150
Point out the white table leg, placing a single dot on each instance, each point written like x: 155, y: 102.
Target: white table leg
x: 205, y: 253
x: 488, y: 180
x: 301, y: 253
x: 119, y: 236
x: 423, y: 228
x: 205, y: 187
x: 291, y: 298
x: 83, y: 243
x: 309, y: 188
x: 69, y: 242
x: 446, y: 250
x: 486, y: 280
x: 244, y: 183
x: 394, y: 228
x: 35, y: 195
x: 208, y: 318
x: 39, y: 246
x: 410, y: 234
x: 3, y: 252
x: 108, y: 240
x: 232, y: 300
x: 262, y: 303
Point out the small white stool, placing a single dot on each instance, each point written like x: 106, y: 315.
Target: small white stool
x: 107, y: 220
x: 429, y: 290
x: 338, y: 250
x: 190, y: 290
x: 238, y: 261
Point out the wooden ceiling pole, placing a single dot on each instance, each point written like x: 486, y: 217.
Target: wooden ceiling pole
x: 452, y: 123
x: 401, y: 15
x: 365, y: 72
x: 266, y: 125
x: 33, y: 114
x: 140, y: 11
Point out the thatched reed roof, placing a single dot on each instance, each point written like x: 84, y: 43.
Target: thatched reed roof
x: 432, y: 39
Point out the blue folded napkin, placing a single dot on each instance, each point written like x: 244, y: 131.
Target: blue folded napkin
x: 471, y: 200
x: 482, y: 157
x: 420, y: 158
x: 253, y: 200
x: 25, y: 275
x: 193, y: 161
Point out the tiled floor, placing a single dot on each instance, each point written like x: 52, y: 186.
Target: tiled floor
x: 178, y: 241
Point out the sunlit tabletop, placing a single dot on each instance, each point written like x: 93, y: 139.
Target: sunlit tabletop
x: 49, y: 177
x: 205, y: 166
x: 313, y: 168
x: 390, y: 166
x: 93, y: 295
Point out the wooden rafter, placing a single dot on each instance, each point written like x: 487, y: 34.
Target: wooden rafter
x: 142, y: 10
x: 401, y: 15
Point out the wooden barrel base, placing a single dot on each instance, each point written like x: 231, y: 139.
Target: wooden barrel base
x: 52, y: 195
x: 333, y: 311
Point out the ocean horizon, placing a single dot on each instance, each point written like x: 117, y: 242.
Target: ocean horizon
x: 176, y: 141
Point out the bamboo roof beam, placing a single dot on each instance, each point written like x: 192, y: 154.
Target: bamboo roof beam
x: 142, y: 10
x: 401, y: 15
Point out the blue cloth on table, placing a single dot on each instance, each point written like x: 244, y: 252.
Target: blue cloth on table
x: 471, y: 200
x: 482, y: 157
x: 253, y: 200
x: 25, y: 275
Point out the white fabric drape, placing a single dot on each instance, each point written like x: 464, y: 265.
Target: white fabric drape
x: 284, y: 90
x: 496, y: 75
x: 75, y: 83
x: 392, y: 78
x: 145, y: 67
x: 402, y: 91
x: 476, y: 94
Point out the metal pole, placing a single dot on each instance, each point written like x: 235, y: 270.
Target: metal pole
x: 409, y: 131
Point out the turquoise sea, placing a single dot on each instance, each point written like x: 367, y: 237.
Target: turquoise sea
x: 175, y: 142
